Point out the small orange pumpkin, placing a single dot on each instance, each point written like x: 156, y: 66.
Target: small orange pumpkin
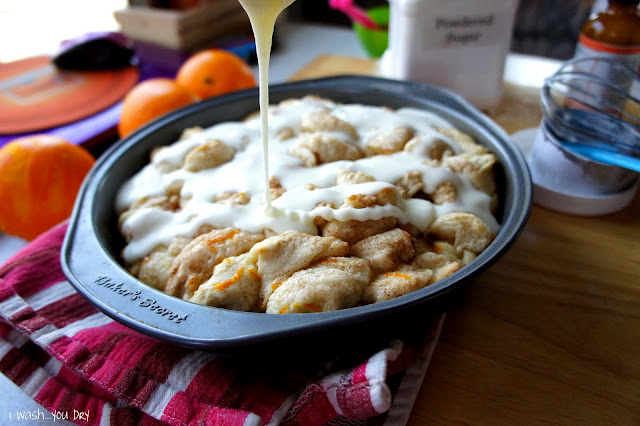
x: 40, y: 176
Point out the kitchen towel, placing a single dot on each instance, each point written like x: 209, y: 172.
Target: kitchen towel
x: 82, y: 366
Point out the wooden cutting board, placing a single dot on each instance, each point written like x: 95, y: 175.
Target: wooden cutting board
x: 518, y: 109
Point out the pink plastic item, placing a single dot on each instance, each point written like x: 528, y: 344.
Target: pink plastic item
x: 354, y: 13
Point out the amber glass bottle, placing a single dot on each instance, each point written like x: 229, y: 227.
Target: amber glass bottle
x: 613, y: 32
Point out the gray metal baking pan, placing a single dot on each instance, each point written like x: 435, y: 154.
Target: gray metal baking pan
x: 90, y: 254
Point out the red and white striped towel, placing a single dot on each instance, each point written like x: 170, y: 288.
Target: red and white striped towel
x: 70, y: 358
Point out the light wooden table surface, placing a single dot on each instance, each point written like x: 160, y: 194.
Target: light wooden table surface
x: 551, y: 333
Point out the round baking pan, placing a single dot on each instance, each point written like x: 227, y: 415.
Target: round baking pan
x: 91, y: 250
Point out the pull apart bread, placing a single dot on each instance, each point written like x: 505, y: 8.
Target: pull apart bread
x: 367, y: 204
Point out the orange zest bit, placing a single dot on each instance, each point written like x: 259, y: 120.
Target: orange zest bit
x: 312, y: 307
x: 192, y: 283
x: 296, y: 306
x: 255, y: 275
x: 275, y: 285
x: 210, y: 242
x: 397, y: 275
x: 438, y: 247
x: 230, y: 282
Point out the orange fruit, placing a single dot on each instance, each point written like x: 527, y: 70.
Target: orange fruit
x: 149, y: 100
x: 40, y: 176
x: 214, y: 72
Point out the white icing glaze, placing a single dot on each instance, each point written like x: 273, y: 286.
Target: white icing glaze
x: 263, y: 15
x: 296, y: 208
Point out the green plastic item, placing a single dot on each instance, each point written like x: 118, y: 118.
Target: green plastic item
x: 375, y: 42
